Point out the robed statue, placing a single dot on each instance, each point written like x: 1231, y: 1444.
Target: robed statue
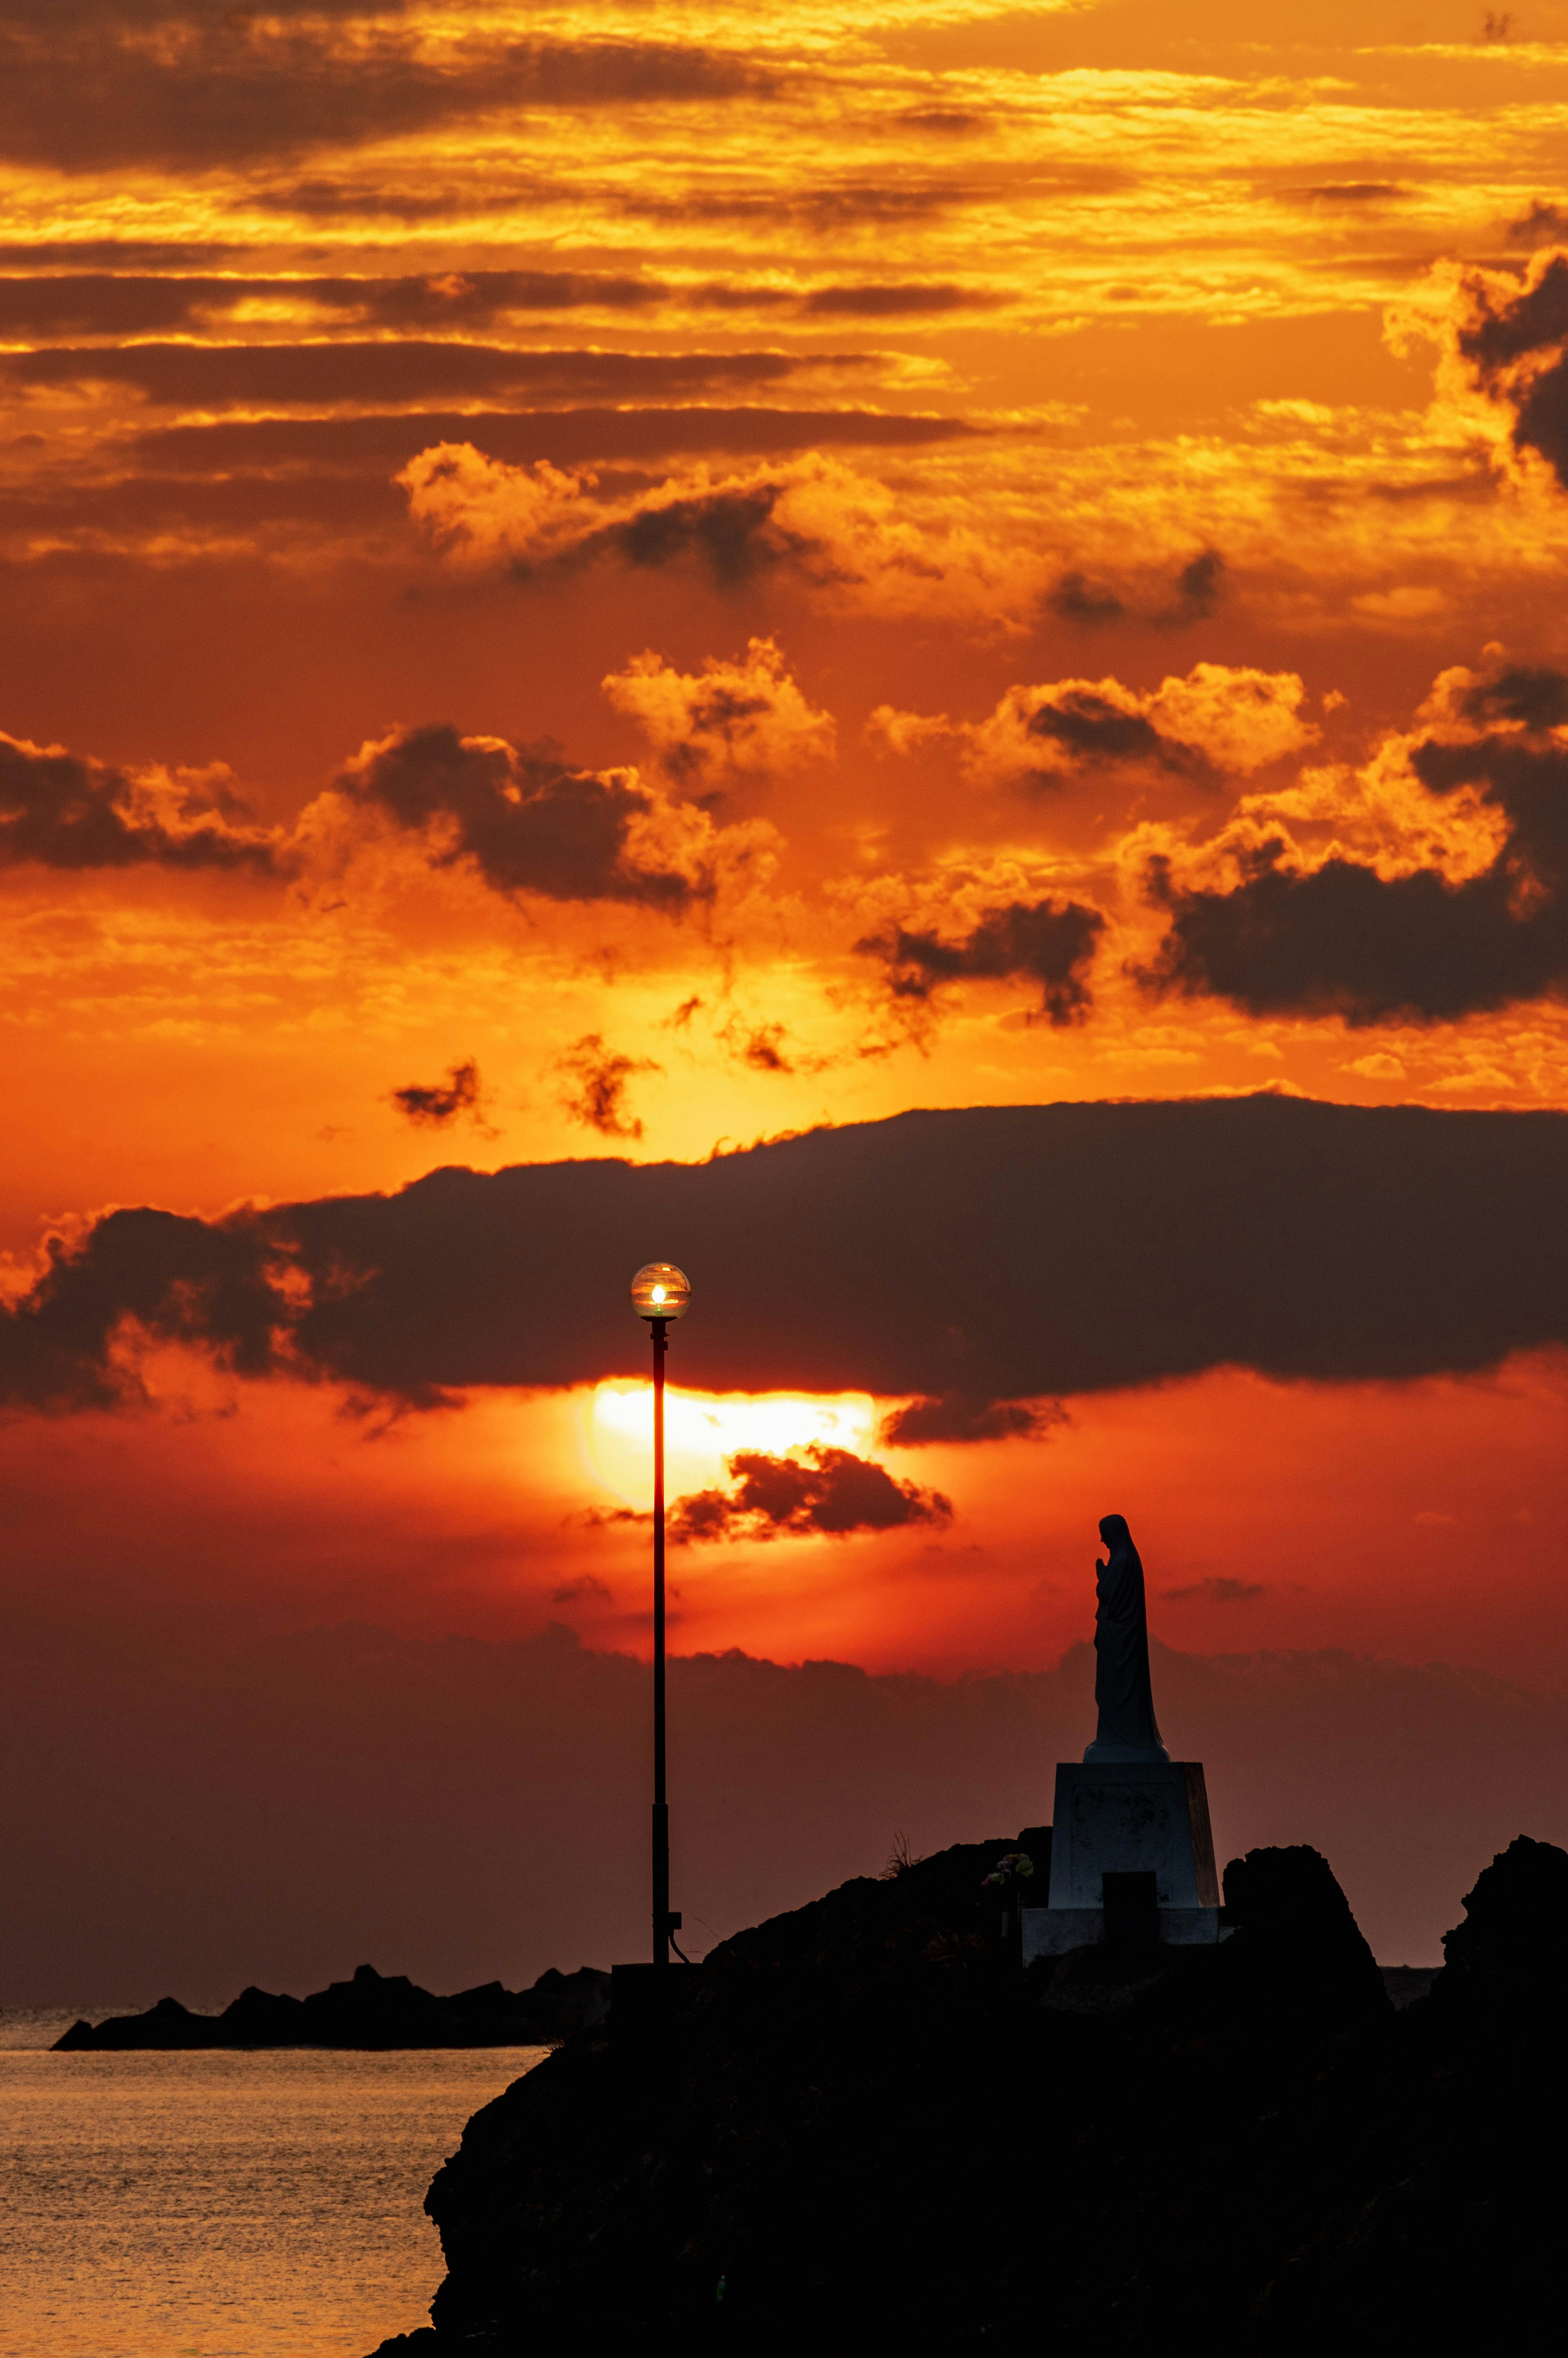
x: 1128, y: 1730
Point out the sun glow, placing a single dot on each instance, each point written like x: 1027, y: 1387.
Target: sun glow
x: 703, y: 1429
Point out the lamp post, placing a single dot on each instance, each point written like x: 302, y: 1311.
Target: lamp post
x: 660, y: 1293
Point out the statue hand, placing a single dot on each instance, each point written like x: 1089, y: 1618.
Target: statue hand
x: 1100, y: 1567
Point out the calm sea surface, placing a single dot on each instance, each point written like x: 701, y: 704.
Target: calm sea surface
x: 222, y: 2206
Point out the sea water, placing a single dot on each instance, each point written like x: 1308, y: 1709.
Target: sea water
x: 213, y: 2205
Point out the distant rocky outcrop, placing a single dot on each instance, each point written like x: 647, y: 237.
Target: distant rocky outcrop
x: 862, y: 2124
x: 372, y: 2010
x: 1510, y: 1946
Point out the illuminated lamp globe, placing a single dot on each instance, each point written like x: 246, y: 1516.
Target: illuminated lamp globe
x: 660, y: 1291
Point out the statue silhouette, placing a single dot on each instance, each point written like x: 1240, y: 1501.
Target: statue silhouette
x: 1128, y: 1729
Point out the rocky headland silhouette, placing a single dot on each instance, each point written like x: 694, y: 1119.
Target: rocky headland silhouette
x: 864, y: 2123
x: 372, y: 2010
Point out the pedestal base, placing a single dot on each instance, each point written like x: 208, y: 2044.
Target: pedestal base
x: 1129, y: 1834
x: 1051, y: 1932
x: 1116, y: 1817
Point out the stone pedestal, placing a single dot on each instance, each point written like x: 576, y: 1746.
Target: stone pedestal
x: 1126, y: 1818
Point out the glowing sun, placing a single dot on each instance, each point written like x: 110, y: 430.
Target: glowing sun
x: 703, y: 1429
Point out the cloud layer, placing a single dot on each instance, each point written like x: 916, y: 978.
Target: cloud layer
x: 1009, y: 1254
x: 443, y: 1756
x: 86, y: 89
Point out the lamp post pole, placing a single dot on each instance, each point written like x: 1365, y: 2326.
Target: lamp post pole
x: 660, y: 1293
x: 660, y: 1800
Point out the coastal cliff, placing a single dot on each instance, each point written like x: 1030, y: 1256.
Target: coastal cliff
x: 862, y: 2121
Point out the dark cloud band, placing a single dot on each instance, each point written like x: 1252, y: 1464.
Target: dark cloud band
x: 410, y: 370
x: 1006, y: 1254
x: 86, y: 302
x: 76, y: 98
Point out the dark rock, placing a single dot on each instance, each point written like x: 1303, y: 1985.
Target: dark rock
x: 559, y: 2003
x: 1445, y: 2246
x: 859, y: 2126
x: 377, y: 2010
x: 373, y: 2010
x: 1405, y: 1983
x: 1103, y: 1981
x: 257, y: 2018
x: 1294, y: 1944
x: 1509, y: 1949
x: 166, y: 2024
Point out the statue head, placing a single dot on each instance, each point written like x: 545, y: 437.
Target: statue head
x: 1113, y: 1531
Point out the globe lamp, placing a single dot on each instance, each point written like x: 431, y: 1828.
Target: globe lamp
x: 660, y: 1290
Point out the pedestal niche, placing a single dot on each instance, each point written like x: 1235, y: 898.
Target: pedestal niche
x: 1143, y: 1819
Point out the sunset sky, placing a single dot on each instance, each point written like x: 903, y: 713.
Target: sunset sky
x: 610, y: 585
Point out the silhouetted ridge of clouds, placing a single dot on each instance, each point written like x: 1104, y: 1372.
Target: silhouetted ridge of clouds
x: 1048, y: 942
x: 1025, y: 1253
x: 66, y: 812
x: 787, y: 1779
x: 814, y: 1491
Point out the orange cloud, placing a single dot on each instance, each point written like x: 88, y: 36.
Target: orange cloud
x: 733, y: 721
x: 1431, y: 881
x: 839, y: 529
x: 1219, y: 718
x: 62, y: 810
x: 523, y: 824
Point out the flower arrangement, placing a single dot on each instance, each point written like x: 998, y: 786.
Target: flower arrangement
x: 1015, y: 1867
